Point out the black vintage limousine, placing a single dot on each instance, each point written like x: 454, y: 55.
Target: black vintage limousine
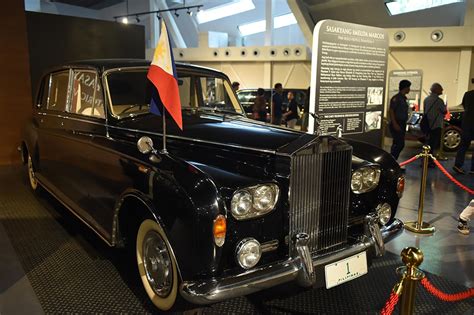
x: 232, y: 207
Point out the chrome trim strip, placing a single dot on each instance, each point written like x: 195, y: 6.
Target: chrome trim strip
x: 269, y: 246
x: 197, y: 140
x: 392, y: 230
x: 73, y: 212
x: 74, y: 118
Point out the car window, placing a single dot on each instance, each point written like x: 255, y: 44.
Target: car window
x: 58, y: 91
x: 130, y: 93
x: 87, y: 98
x: 217, y: 93
x: 42, y: 97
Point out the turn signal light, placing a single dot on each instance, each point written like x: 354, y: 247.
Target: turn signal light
x: 219, y: 230
x: 400, y: 186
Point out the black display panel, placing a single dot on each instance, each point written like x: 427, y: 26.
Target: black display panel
x: 55, y: 39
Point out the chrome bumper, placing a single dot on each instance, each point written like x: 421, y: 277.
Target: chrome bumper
x: 301, y: 267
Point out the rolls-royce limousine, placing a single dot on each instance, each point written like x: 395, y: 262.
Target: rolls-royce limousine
x: 231, y: 207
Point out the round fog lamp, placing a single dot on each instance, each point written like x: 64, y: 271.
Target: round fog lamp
x: 384, y: 211
x: 248, y: 253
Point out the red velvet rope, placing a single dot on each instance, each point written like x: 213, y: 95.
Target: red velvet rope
x: 445, y: 296
x: 390, y: 304
x: 445, y: 172
x: 409, y: 160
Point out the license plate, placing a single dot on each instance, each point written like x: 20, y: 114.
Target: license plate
x: 345, y: 270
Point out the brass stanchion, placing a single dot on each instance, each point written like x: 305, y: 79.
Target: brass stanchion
x: 412, y: 257
x: 420, y: 226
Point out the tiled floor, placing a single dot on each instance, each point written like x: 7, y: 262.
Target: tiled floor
x: 447, y: 252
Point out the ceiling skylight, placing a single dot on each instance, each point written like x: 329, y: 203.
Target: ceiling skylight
x: 259, y: 26
x: 404, y: 6
x: 222, y: 11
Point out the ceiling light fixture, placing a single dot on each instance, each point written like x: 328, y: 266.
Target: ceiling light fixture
x: 124, y: 18
x: 259, y: 26
x: 395, y: 7
x: 225, y: 10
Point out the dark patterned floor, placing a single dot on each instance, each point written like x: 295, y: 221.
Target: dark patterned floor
x: 72, y: 271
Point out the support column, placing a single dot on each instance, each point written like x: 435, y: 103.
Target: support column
x: 171, y: 25
x: 267, y: 74
x: 304, y: 19
x: 268, y: 22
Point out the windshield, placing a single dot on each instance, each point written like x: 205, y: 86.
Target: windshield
x: 130, y: 93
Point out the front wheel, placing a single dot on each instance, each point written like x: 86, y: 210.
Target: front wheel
x: 156, y: 265
x: 451, y: 139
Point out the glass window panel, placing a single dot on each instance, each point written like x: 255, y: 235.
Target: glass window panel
x: 58, y: 90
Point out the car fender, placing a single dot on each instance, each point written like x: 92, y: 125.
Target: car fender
x: 185, y: 202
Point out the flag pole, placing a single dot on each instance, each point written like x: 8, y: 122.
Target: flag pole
x: 164, y: 151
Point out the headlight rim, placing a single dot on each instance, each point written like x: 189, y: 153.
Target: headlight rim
x: 366, y: 187
x: 255, y: 212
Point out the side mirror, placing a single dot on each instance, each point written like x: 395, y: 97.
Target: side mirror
x: 145, y: 145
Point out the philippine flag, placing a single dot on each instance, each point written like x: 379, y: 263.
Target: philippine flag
x: 162, y: 74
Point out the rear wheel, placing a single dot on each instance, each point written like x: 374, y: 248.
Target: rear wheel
x: 156, y: 265
x: 31, y: 174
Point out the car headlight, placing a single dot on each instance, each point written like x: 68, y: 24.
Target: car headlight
x: 384, y: 211
x: 365, y: 179
x: 254, y: 201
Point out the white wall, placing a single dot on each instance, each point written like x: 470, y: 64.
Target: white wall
x: 292, y: 74
x: 438, y: 64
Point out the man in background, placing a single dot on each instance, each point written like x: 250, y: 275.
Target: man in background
x: 277, y: 103
x: 398, y: 114
x: 434, y: 109
x: 467, y: 133
x: 235, y: 86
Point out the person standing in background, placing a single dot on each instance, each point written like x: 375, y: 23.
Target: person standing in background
x: 277, y: 103
x: 305, y: 118
x: 467, y: 133
x: 435, y: 109
x: 235, y: 86
x: 291, y: 116
x: 398, y: 114
x: 259, y: 106
x: 465, y: 217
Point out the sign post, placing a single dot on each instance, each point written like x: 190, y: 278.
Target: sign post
x: 348, y: 74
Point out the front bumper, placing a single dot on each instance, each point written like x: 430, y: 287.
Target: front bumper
x: 308, y: 270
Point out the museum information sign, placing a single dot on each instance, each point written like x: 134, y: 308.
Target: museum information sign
x: 348, y: 74
x: 415, y: 77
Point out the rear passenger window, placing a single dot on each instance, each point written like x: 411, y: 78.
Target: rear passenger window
x: 58, y: 89
x: 87, y: 98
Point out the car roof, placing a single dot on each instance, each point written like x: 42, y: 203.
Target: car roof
x: 105, y: 64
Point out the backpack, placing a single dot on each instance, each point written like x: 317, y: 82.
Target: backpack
x: 425, y: 124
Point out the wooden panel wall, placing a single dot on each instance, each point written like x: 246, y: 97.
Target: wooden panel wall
x: 15, y: 90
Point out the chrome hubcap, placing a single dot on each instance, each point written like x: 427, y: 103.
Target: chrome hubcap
x: 452, y: 139
x: 157, y: 263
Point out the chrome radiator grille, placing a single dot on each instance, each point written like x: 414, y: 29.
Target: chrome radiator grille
x: 319, y: 194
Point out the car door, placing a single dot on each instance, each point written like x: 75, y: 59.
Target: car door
x: 51, y: 136
x: 85, y: 121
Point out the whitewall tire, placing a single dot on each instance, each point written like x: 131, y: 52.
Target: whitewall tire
x: 31, y: 174
x: 156, y: 265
